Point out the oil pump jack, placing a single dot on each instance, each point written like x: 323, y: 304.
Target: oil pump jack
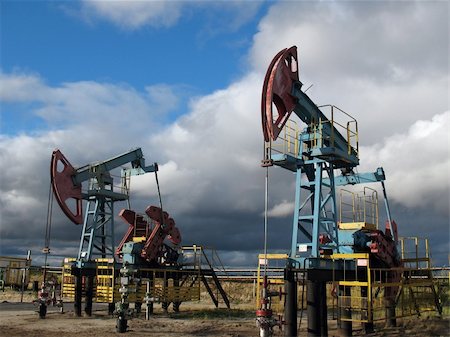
x: 325, y: 146
x: 97, y: 236
x: 149, y: 254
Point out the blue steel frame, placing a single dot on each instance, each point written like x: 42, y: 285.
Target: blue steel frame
x: 322, y: 149
x: 97, y: 236
x: 315, y: 209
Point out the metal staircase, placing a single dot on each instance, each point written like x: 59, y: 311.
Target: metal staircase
x: 196, y: 258
x: 418, y: 278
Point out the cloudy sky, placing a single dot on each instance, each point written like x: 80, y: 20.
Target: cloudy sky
x: 182, y: 80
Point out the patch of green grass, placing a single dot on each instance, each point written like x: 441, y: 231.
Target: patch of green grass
x: 211, y: 314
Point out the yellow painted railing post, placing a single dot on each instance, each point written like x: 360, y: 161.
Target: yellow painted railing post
x: 258, y: 285
x: 416, y: 240
x: 402, y: 244
x: 369, y: 293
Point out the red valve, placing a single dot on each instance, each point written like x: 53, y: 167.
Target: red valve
x: 61, y: 172
x: 277, y: 89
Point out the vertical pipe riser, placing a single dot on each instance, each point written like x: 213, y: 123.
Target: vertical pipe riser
x: 323, y: 309
x: 89, y: 295
x: 313, y: 308
x: 78, y: 294
x: 290, y: 309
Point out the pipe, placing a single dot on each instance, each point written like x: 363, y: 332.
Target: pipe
x: 323, y: 309
x: 78, y: 293
x: 89, y: 294
x: 148, y: 303
x: 290, y: 307
x: 313, y: 308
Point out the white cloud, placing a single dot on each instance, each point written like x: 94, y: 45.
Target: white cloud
x: 356, y: 39
x: 214, y: 151
x: 417, y: 164
x: 131, y: 15
x: 105, y: 107
x: 20, y: 87
x: 175, y: 182
x: 164, y: 96
x: 134, y: 14
x: 285, y: 208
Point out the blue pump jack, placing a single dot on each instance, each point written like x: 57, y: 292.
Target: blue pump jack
x: 327, y: 143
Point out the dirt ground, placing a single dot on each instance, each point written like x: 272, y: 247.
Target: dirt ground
x: 194, y: 319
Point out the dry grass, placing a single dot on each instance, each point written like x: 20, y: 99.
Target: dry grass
x: 195, y: 319
x: 10, y: 295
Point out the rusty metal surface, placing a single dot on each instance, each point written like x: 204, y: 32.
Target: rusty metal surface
x: 64, y: 188
x: 277, y: 88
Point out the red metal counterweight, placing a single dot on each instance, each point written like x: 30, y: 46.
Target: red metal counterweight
x: 162, y: 229
x: 137, y: 226
x: 155, y: 232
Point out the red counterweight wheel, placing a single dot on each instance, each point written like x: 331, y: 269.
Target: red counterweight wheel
x: 277, y: 89
x: 61, y: 172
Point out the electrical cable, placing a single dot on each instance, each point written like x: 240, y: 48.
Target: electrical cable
x: 48, y: 228
x: 160, y: 199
